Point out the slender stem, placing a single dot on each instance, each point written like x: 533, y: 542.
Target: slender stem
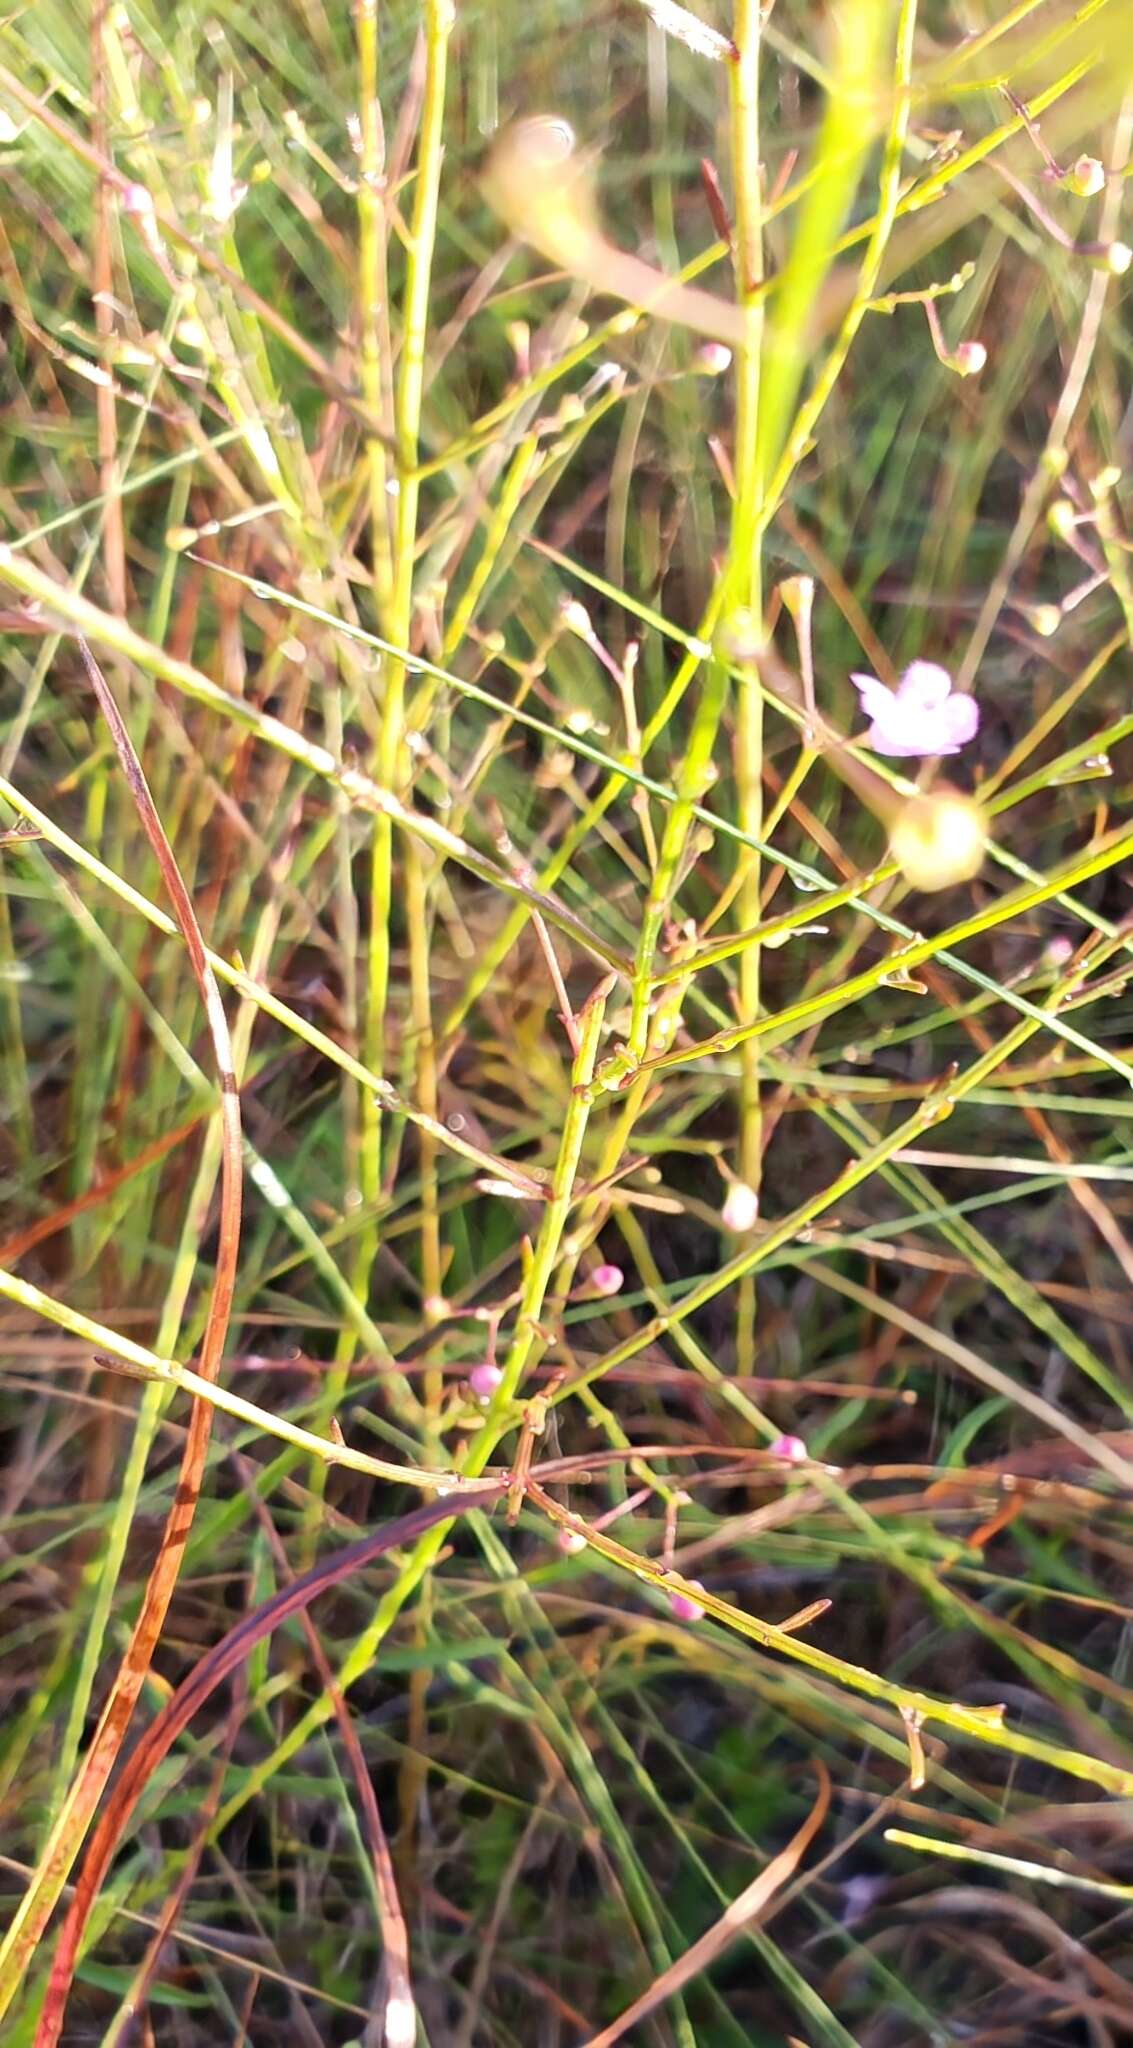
x: 150, y: 1365
x: 889, y: 206
x: 549, y: 1241
x: 390, y: 765
x: 372, y: 286
x: 747, y: 585
x: 425, y: 1065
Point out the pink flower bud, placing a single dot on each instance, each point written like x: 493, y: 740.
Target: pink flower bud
x: 790, y: 1448
x: 1085, y: 178
x: 607, y: 1279
x: 683, y: 1608
x: 484, y: 1379
x: 741, y: 1207
x: 968, y: 359
x: 136, y: 199
x: 712, y: 358
x: 570, y: 1542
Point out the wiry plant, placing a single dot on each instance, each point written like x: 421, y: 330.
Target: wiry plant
x: 472, y: 656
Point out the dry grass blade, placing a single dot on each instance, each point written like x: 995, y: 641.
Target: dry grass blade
x: 79, y: 1805
x: 226, y: 1657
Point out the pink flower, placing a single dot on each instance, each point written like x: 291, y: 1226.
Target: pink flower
x: 685, y: 1609
x: 792, y: 1448
x: 921, y: 716
x: 571, y: 1541
x: 606, y: 1279
x: 484, y: 1379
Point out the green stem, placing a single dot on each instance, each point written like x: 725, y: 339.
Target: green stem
x: 747, y: 585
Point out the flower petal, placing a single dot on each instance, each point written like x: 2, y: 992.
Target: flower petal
x: 902, y: 738
x: 877, y: 700
x: 921, y: 717
x: 925, y: 684
x: 959, y: 722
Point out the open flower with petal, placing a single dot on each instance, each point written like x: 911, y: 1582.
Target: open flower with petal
x: 923, y: 715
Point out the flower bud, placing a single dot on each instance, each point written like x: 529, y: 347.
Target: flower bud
x: 741, y: 1207
x: 790, y: 1448
x: 685, y: 1609
x: 1044, y: 619
x: 576, y: 618
x: 1085, y: 178
x: 570, y: 1542
x: 712, y: 358
x: 1114, y: 257
x: 607, y: 1279
x: 1061, y: 517
x: 968, y: 358
x: 484, y: 1379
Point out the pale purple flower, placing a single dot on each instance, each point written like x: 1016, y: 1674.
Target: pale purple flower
x: 484, y: 1379
x: 607, y: 1279
x: 921, y: 716
x: 791, y: 1448
x: 683, y: 1608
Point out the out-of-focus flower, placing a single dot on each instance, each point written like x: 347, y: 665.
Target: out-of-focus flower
x: 685, y: 1609
x: 570, y: 1542
x: 484, y: 1379
x: 741, y: 1207
x: 921, y: 716
x: 939, y: 840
